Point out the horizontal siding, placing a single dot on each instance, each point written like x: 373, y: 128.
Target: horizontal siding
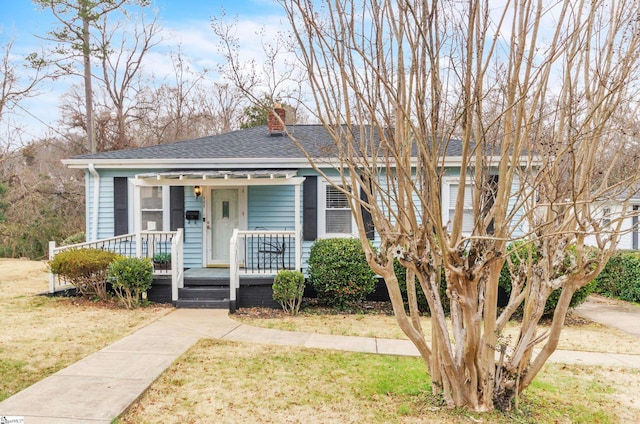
x: 193, y: 231
x: 271, y: 208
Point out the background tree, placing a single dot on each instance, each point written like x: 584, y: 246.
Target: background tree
x: 18, y: 81
x: 188, y: 104
x: 42, y: 199
x: 257, y: 114
x: 528, y: 97
x: 276, y: 80
x: 120, y: 65
x: 74, y: 42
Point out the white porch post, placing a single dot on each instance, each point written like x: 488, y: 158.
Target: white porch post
x: 177, y: 265
x: 137, y: 224
x: 298, y: 225
x: 234, y: 278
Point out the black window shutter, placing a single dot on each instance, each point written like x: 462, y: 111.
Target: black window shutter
x: 120, y: 205
x: 310, y: 209
x: 176, y: 199
x: 366, y: 216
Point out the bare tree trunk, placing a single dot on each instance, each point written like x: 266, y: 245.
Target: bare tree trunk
x: 88, y: 91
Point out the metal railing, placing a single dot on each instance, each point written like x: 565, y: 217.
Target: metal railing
x: 262, y: 252
x: 164, y: 248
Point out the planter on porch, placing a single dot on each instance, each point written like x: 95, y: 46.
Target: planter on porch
x: 162, y: 262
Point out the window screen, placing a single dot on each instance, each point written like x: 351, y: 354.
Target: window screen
x: 337, y: 212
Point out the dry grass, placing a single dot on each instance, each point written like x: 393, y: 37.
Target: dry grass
x: 223, y: 382
x: 578, y: 334
x: 227, y: 382
x: 41, y: 335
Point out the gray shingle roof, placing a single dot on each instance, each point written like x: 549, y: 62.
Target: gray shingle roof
x: 248, y: 143
x: 251, y: 143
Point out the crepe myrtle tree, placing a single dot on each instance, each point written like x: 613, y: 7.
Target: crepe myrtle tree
x: 530, y: 95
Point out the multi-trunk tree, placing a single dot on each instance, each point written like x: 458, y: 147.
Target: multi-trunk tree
x: 526, y: 98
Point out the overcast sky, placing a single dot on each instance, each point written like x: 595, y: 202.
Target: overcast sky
x: 184, y: 22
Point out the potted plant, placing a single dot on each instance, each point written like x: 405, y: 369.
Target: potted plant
x: 162, y: 261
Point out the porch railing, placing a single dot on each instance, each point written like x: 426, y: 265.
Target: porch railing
x: 165, y: 248
x: 262, y: 252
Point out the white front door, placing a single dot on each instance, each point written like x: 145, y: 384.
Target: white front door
x: 224, y: 217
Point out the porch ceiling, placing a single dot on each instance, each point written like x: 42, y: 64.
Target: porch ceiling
x: 222, y: 176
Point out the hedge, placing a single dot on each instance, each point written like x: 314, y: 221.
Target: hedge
x: 620, y: 278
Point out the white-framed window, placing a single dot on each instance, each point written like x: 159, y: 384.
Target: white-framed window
x: 606, y: 217
x: 450, y: 188
x: 154, y: 208
x: 334, y: 218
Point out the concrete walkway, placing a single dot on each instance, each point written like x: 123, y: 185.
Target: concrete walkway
x: 100, y: 387
x: 612, y: 313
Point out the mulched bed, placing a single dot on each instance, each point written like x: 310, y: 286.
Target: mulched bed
x: 313, y: 307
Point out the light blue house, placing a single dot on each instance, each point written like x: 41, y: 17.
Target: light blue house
x: 230, y: 210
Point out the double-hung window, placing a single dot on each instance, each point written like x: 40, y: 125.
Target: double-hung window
x: 337, y: 212
x: 449, y: 197
x: 153, y: 205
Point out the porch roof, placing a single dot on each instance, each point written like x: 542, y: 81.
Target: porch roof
x: 220, y: 176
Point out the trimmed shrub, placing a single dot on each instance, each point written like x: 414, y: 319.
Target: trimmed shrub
x: 339, y: 272
x: 288, y: 287
x: 130, y: 278
x: 620, y: 278
x: 86, y: 269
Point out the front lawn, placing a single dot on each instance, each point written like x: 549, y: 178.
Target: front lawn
x: 229, y: 382
x: 41, y: 335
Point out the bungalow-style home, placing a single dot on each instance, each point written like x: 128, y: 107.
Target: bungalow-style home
x: 215, y: 213
x: 221, y: 215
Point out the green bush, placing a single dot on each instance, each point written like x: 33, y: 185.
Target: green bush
x: 620, y: 278
x: 130, y: 278
x: 86, y: 269
x: 339, y: 272
x: 505, y: 281
x: 288, y: 288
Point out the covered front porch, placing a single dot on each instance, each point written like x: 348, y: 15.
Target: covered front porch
x: 256, y: 257
x: 248, y: 223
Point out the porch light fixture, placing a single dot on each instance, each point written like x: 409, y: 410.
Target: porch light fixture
x: 197, y: 191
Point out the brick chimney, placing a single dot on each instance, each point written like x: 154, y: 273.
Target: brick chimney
x: 275, y: 125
